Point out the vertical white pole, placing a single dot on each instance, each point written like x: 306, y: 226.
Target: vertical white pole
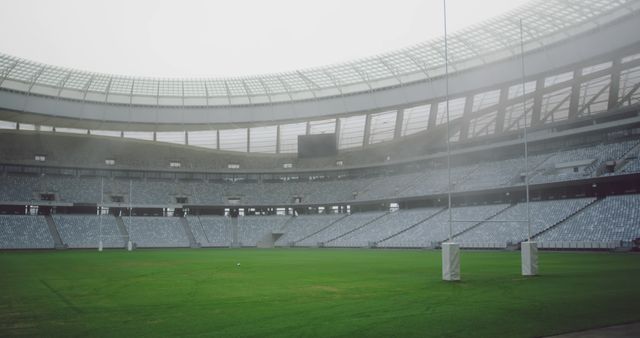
x: 526, y: 144
x: 529, y: 249
x: 100, y: 212
x: 450, y: 250
x: 446, y: 97
x: 129, y: 244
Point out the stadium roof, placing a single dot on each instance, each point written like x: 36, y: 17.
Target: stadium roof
x: 545, y: 23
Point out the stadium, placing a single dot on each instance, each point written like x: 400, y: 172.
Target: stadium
x: 485, y: 182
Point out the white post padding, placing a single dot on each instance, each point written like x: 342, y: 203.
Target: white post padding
x: 529, y: 258
x: 450, y: 261
x: 100, y: 246
x: 129, y: 246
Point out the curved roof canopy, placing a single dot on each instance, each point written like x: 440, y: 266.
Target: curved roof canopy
x: 545, y: 22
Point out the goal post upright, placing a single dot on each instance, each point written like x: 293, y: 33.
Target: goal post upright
x: 450, y: 250
x: 529, y: 248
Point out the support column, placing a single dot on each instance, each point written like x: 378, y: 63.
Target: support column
x: 574, y: 101
x: 537, y: 103
x: 367, y: 130
x: 248, y: 139
x: 502, y: 107
x: 397, y: 133
x: 468, y: 107
x: 338, y: 127
x: 615, y: 84
x: 433, y: 112
x: 278, y: 139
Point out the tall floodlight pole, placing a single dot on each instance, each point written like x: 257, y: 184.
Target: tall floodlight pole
x: 529, y: 249
x: 450, y: 250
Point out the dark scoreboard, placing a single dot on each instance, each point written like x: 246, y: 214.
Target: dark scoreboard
x: 317, y: 145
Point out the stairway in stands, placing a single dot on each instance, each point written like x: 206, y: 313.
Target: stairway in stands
x: 412, y: 226
x: 57, y: 240
x: 330, y: 224
x: 123, y: 230
x: 626, y: 158
x: 473, y: 226
x: 187, y: 230
x: 357, y: 228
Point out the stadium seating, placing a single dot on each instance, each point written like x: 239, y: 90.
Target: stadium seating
x: 156, y: 231
x: 83, y: 231
x: 339, y: 228
x: 252, y: 229
x: 436, y: 229
x: 211, y: 231
x: 509, y: 231
x: 590, y: 158
x: 24, y: 232
x: 583, y: 223
x: 303, y: 226
x: 612, y: 219
x: 571, y: 164
x: 383, y: 227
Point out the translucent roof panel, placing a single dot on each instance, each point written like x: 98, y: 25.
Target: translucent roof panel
x: 322, y: 126
x: 544, y: 22
x: 194, y: 88
x: 415, y: 119
x: 121, y: 85
x: 382, y: 127
x: 78, y: 80
x: 203, y: 138
x: 233, y: 139
x: 147, y: 87
x: 176, y: 137
x: 99, y: 83
x: 170, y: 88
x: 516, y: 90
x: 263, y: 139
x: 351, y: 131
x: 486, y: 99
x: 140, y: 135
x: 289, y: 136
x: 456, y: 109
x: 53, y: 76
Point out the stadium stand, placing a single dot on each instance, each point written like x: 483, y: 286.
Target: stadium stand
x: 24, y: 232
x: 383, y: 227
x: 434, y: 230
x: 156, y: 232
x: 613, y: 220
x: 305, y: 226
x: 580, y: 162
x: 83, y: 231
x: 252, y: 229
x: 211, y: 231
x: 509, y: 230
x: 339, y: 228
x: 549, y: 167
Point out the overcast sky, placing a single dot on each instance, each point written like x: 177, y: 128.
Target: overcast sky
x: 196, y: 38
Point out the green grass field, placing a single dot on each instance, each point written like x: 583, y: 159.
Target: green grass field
x: 307, y: 292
